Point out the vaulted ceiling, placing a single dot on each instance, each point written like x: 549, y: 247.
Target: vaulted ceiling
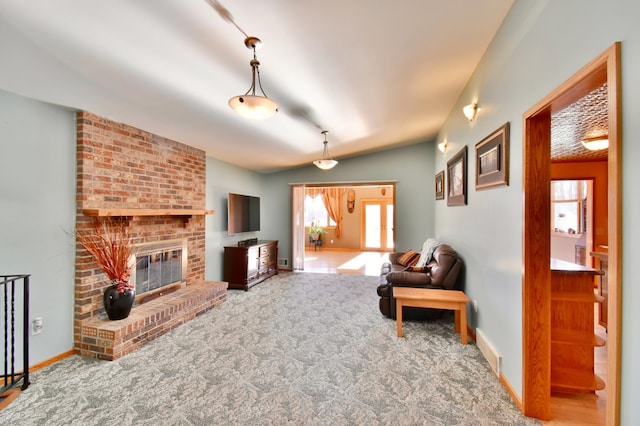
x: 374, y: 73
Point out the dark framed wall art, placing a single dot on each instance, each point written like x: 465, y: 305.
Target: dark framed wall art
x: 492, y: 159
x: 457, y: 179
x: 439, y: 185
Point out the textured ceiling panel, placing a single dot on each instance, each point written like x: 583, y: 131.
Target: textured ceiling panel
x: 587, y: 117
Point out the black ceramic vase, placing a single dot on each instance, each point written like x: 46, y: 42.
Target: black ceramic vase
x: 118, y: 305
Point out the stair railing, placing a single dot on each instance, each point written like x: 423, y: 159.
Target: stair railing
x: 9, y: 286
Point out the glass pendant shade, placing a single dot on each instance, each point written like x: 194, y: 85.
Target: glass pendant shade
x: 325, y: 164
x: 253, y: 107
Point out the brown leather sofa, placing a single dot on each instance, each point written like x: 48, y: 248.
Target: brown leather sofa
x: 444, y: 269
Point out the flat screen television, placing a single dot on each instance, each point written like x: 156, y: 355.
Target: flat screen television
x: 243, y: 213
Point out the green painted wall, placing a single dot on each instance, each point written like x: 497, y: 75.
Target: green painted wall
x: 37, y: 206
x: 223, y: 178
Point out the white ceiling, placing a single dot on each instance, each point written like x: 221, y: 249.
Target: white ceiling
x: 374, y: 73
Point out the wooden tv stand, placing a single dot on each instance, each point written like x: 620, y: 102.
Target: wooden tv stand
x: 248, y: 265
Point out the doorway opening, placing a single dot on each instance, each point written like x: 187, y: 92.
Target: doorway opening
x: 536, y: 286
x: 357, y: 218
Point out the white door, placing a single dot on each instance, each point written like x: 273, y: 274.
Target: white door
x: 377, y: 225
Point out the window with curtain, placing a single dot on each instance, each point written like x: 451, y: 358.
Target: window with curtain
x: 568, y: 206
x: 315, y: 212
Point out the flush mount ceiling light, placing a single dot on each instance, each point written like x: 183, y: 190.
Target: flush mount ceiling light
x: 470, y: 111
x: 327, y: 162
x: 596, y: 143
x: 250, y: 105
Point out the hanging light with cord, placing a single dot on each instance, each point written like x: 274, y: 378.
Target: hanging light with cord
x: 326, y: 162
x: 250, y: 105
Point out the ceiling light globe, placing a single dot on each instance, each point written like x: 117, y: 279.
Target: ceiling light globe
x: 253, y: 107
x: 596, y: 144
x: 325, y: 164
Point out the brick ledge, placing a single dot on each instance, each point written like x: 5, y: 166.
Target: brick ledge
x: 110, y: 340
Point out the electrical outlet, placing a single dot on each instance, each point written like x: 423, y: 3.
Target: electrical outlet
x: 475, y: 306
x: 37, y: 325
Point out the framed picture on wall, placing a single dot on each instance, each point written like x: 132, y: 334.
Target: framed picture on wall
x: 440, y: 185
x: 457, y: 179
x: 492, y: 159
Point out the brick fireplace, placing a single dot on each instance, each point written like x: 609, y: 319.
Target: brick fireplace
x: 157, y: 186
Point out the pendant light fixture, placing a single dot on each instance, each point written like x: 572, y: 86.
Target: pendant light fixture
x: 250, y: 105
x: 327, y: 162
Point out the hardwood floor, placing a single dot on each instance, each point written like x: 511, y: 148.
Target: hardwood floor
x: 588, y: 408
x: 344, y: 261
x: 566, y: 409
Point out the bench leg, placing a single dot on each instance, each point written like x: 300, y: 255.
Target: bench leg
x: 463, y: 323
x: 399, y: 316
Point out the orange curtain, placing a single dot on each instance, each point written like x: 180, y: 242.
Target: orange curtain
x: 331, y: 198
x: 313, y: 191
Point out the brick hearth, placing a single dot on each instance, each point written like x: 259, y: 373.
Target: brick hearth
x: 110, y: 340
x: 124, y: 169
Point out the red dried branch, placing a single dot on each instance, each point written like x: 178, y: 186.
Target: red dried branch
x: 111, y: 246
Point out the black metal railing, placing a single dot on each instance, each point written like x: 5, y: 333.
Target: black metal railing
x: 10, y: 287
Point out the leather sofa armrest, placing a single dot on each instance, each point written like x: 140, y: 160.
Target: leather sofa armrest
x: 393, y: 257
x: 408, y: 279
x: 384, y: 290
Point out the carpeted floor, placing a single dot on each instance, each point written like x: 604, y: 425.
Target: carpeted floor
x: 298, y: 349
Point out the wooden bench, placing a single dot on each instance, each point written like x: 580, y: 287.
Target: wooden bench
x: 437, y: 299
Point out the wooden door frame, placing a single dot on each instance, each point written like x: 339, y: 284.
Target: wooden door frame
x: 536, y: 278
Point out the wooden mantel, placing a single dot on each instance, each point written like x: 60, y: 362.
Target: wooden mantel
x: 146, y: 212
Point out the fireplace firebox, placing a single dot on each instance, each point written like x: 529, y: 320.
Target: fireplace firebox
x: 159, y: 264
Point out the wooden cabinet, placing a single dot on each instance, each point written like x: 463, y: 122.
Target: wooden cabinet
x: 248, y: 265
x: 572, y: 328
x: 602, y: 286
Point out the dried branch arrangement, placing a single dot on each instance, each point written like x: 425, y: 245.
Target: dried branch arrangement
x: 111, y: 245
